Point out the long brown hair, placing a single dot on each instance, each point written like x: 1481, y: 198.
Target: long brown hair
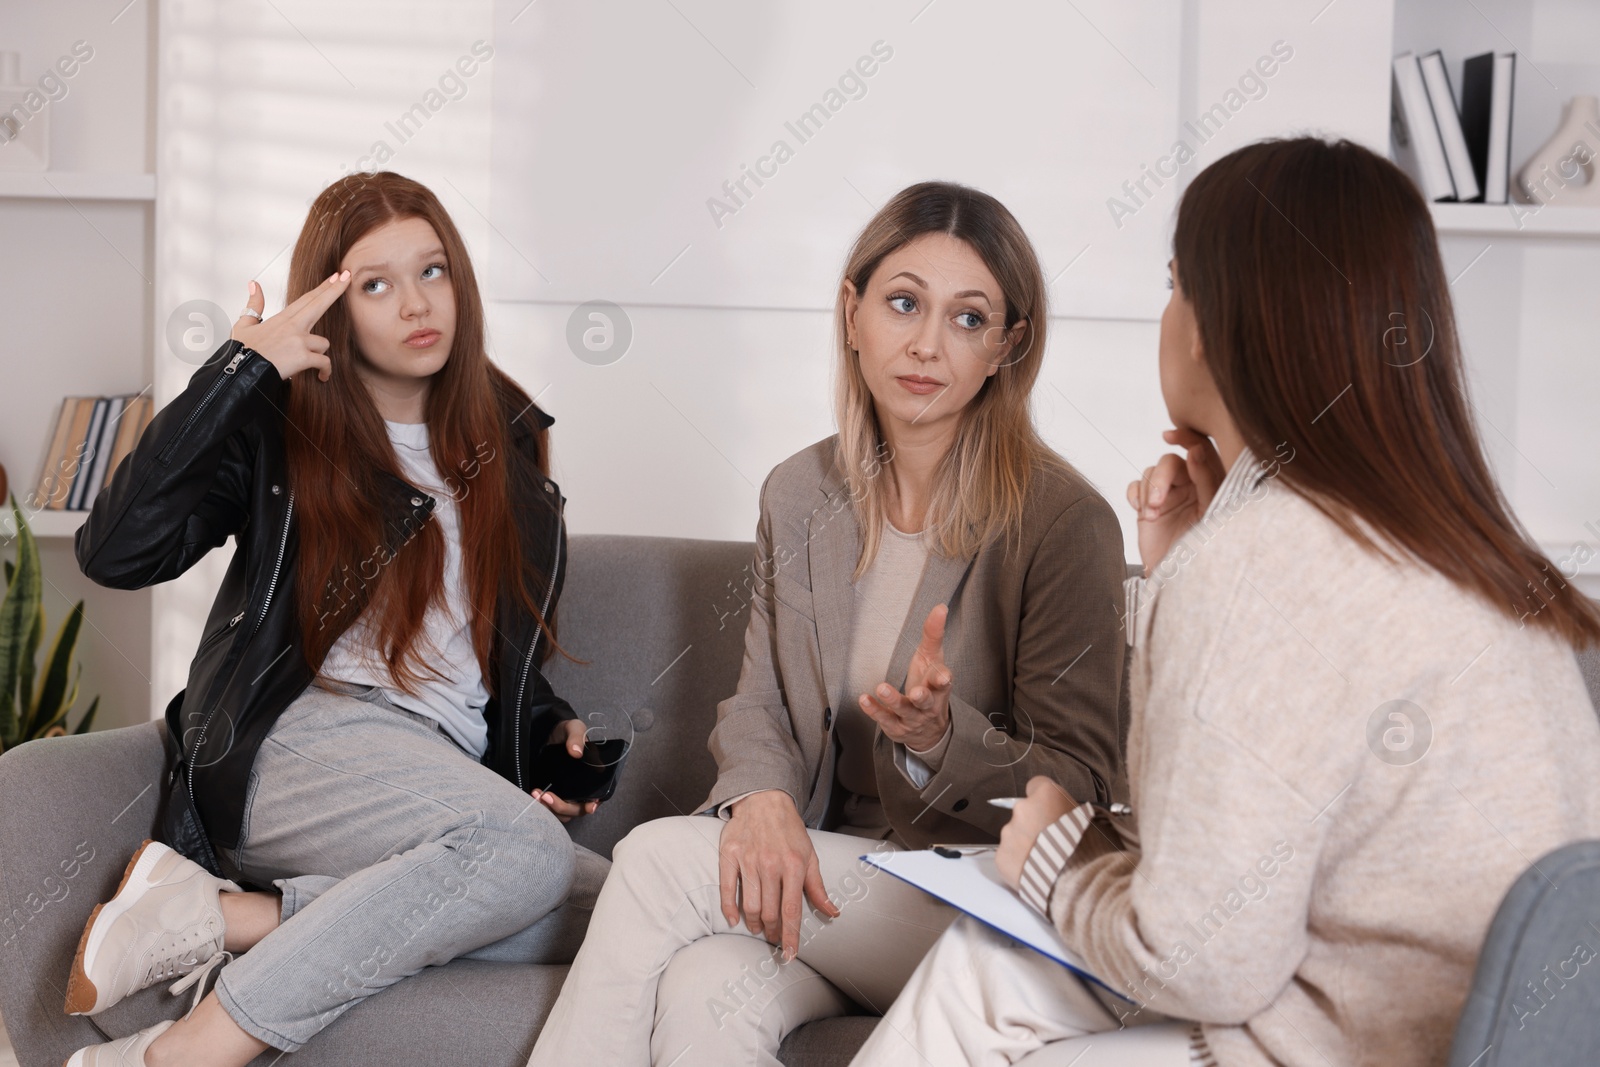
x: 336, y: 446
x: 980, y: 485
x: 1325, y: 318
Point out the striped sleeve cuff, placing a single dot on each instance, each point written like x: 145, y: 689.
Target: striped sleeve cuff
x: 1048, y: 857
x: 1200, y: 1054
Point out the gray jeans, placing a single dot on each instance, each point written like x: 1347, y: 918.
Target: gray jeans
x: 394, y: 850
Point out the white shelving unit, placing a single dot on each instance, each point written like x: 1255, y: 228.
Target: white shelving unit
x: 79, y: 282
x: 1521, y: 275
x: 1516, y: 220
x: 77, y: 185
x: 44, y: 524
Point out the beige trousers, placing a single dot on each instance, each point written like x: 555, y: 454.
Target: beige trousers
x: 662, y: 979
x: 981, y: 998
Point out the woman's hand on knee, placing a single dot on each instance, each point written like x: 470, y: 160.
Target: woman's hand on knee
x: 767, y: 864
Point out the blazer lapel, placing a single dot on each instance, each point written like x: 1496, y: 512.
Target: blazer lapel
x: 835, y: 542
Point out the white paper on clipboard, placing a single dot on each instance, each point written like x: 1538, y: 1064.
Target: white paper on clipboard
x: 971, y: 884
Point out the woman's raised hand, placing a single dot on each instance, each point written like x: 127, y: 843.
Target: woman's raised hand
x: 1172, y: 495
x: 918, y: 717
x: 285, y: 340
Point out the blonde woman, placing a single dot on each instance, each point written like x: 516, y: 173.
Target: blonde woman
x: 936, y: 622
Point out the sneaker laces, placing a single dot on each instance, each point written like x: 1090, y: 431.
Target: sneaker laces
x: 180, y: 953
x: 197, y: 979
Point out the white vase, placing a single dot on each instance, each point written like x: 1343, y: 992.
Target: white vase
x: 1564, y: 170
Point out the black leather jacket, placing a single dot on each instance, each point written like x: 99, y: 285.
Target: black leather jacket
x: 212, y: 464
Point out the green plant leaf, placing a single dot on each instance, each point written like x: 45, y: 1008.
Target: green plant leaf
x: 59, y: 717
x: 88, y: 717
x: 18, y: 614
x: 26, y: 695
x: 53, y: 698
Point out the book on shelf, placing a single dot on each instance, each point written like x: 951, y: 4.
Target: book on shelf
x: 102, y: 451
x: 49, y: 486
x: 91, y: 442
x: 92, y: 435
x: 1418, y: 147
x: 134, y: 420
x: 1486, y: 82
x: 1442, y: 97
x: 60, y: 467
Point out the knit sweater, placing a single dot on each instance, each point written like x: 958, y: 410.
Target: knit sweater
x: 1338, y: 766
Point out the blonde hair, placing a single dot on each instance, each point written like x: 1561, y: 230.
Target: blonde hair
x: 981, y: 484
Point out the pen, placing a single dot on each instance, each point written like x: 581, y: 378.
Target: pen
x: 1011, y: 802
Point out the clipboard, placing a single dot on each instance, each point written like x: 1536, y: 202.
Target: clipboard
x: 970, y: 883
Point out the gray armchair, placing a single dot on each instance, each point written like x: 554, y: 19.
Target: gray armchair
x: 1534, y: 996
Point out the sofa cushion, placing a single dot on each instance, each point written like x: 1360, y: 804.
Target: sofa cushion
x: 660, y: 621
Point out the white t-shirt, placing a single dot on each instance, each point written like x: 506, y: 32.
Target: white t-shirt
x: 457, y: 701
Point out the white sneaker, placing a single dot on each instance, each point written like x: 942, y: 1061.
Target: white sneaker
x: 164, y: 921
x: 124, y: 1052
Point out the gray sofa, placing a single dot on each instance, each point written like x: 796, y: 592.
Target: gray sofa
x: 661, y: 621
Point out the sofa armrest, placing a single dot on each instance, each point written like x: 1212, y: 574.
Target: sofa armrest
x: 72, y: 810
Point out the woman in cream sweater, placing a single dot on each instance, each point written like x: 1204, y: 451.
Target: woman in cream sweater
x: 1357, y: 716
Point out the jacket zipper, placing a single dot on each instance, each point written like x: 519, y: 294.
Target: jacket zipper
x: 205, y: 402
x: 283, y: 543
x: 527, y: 660
x: 209, y: 641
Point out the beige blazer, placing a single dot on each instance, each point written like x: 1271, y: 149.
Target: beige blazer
x: 1033, y: 640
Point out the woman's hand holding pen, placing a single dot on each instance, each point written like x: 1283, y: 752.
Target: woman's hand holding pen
x: 285, y: 340
x: 918, y: 717
x: 1173, y: 494
x: 1045, y: 803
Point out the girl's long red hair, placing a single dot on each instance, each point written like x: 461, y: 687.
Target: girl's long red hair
x: 336, y: 446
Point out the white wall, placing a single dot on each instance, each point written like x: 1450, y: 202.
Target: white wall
x: 611, y: 134
x: 840, y: 104
x: 261, y: 105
